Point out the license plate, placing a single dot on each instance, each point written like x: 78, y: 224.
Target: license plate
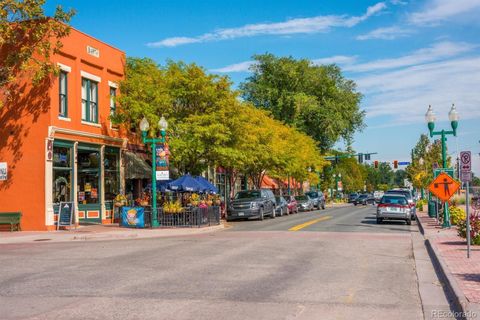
x: 241, y: 214
x: 392, y: 209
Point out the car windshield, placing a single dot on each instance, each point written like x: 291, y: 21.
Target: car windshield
x: 407, y: 194
x: 247, y: 194
x: 312, y: 194
x: 394, y: 200
x: 278, y: 200
x: 301, y: 198
x: 363, y: 196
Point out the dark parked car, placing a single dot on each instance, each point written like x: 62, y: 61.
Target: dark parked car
x: 292, y: 204
x: 394, y: 207
x: 282, y: 206
x: 304, y: 203
x: 411, y: 201
x: 364, y: 199
x: 317, y: 198
x: 352, y: 197
x: 252, y: 204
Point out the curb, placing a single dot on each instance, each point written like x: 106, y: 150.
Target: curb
x: 460, y: 302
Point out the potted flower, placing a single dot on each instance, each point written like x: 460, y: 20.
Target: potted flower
x: 143, y: 200
x: 120, y: 200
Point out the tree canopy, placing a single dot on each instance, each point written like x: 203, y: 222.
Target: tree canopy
x: 317, y: 100
x: 210, y: 126
x: 28, y: 38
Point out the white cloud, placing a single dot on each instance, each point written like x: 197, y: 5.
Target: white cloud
x: 437, y: 11
x: 389, y: 33
x: 436, y: 52
x: 237, y: 67
x: 341, y: 60
x: 292, y: 26
x: 405, y: 94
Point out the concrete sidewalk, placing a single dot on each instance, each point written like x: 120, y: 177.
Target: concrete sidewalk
x: 450, y: 252
x: 100, y: 232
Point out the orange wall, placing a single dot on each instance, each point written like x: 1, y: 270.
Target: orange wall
x: 25, y: 119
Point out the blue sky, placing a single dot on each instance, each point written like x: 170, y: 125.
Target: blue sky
x: 404, y: 55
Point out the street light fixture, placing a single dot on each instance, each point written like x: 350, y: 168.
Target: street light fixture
x: 144, y: 126
x: 430, y: 119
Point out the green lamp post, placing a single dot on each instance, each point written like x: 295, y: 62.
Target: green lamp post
x: 453, y: 117
x: 144, y: 126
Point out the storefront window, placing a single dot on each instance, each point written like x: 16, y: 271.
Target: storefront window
x: 112, y: 184
x: 88, y: 176
x: 62, y: 174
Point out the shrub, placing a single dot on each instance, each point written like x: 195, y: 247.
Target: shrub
x: 474, y: 229
x: 421, y: 203
x: 457, y: 200
x: 457, y: 215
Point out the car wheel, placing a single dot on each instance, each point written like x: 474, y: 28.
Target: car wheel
x: 409, y: 222
x: 261, y: 215
x: 379, y: 220
x: 355, y: 204
x: 274, y: 213
x: 323, y: 206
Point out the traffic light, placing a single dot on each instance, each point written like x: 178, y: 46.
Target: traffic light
x: 395, y: 164
x: 360, y: 158
x: 376, y: 164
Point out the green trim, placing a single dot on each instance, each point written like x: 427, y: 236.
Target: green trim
x: 89, y: 147
x: 62, y: 143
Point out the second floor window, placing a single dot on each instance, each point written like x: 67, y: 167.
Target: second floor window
x: 113, y: 106
x: 89, y: 100
x: 63, y: 106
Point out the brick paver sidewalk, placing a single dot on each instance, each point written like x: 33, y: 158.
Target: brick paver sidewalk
x: 453, y: 252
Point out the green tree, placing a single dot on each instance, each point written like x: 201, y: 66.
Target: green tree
x: 28, y: 38
x: 399, y: 177
x: 426, y: 156
x: 317, y: 100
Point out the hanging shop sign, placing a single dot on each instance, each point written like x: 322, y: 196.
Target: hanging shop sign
x: 3, y: 171
x: 133, y: 217
x: 161, y: 162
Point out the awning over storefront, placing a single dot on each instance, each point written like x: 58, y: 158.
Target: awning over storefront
x: 268, y: 182
x: 136, y: 167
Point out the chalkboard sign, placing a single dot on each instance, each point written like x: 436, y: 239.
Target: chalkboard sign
x: 65, y: 214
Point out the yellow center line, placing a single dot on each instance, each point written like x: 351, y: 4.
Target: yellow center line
x: 308, y: 223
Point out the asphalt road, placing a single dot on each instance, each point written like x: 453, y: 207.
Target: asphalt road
x: 340, y: 266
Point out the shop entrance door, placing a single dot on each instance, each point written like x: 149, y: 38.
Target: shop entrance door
x: 88, y: 180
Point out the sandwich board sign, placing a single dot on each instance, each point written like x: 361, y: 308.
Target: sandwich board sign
x: 65, y: 214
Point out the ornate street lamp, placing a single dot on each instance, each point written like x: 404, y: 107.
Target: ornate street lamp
x: 430, y: 119
x: 144, y: 126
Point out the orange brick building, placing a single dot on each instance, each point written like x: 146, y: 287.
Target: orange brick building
x: 57, y: 139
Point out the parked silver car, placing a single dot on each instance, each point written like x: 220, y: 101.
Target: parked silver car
x: 304, y: 203
x: 394, y: 207
x: 252, y: 204
x: 317, y: 198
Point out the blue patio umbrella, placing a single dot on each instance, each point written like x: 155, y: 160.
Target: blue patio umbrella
x: 185, y: 183
x: 208, y: 187
x: 162, y: 185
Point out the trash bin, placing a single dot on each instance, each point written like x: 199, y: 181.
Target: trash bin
x: 432, y: 209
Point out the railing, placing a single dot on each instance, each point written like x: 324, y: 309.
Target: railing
x: 189, y: 217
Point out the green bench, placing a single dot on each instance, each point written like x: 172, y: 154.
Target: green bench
x: 11, y: 218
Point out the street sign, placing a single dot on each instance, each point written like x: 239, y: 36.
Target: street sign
x: 465, y: 161
x: 403, y: 163
x: 444, y: 187
x: 465, y: 176
x: 448, y: 171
